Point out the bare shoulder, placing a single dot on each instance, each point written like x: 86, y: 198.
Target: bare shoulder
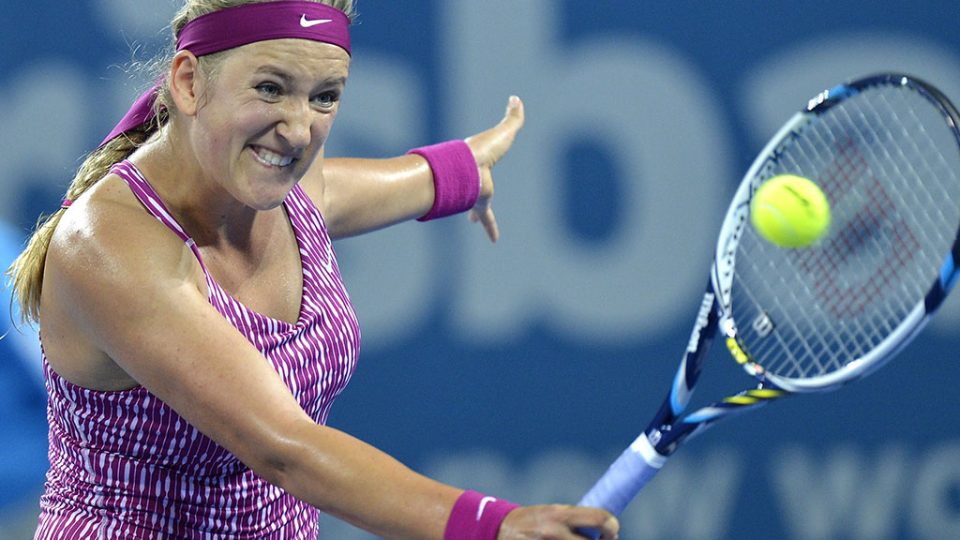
x: 107, y: 257
x: 122, y: 297
x: 108, y: 238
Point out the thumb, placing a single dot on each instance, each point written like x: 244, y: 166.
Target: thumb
x: 514, y: 117
x: 490, y: 145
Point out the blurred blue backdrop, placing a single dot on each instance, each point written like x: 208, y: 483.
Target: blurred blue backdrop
x: 522, y: 368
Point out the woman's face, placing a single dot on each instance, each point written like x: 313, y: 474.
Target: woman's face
x: 265, y: 116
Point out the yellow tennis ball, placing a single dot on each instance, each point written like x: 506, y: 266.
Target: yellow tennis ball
x: 790, y: 211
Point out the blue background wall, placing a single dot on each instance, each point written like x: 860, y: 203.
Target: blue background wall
x: 523, y: 368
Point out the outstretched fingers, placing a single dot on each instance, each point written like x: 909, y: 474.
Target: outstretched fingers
x: 491, y: 145
x: 482, y: 212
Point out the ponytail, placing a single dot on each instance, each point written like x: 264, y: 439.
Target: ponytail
x: 26, y: 273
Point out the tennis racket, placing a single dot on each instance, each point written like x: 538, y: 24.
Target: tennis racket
x: 885, y: 150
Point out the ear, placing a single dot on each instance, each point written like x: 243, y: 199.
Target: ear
x: 185, y: 82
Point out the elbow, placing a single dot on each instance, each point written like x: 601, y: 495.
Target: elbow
x: 279, y: 460
x: 276, y: 468
x: 316, y: 464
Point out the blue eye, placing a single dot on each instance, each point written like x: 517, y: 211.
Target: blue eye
x: 326, y: 100
x: 268, y: 89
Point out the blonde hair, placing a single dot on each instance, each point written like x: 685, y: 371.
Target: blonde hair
x: 25, y: 274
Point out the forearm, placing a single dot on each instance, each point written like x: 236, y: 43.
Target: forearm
x: 354, y: 481
x: 436, y: 181
x: 362, y: 195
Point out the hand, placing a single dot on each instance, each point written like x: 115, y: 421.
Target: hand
x: 488, y: 147
x: 557, y: 522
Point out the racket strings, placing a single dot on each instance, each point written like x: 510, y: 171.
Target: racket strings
x: 886, y: 161
x: 923, y: 162
x: 878, y: 210
x: 838, y: 177
x: 821, y: 348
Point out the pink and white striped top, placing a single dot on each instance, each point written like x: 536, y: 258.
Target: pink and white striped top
x: 125, y: 465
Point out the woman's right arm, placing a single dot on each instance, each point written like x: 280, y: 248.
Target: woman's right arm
x: 133, y: 290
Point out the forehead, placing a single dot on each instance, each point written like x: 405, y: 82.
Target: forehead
x: 298, y: 57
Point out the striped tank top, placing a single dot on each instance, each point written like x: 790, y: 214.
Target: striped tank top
x: 125, y: 465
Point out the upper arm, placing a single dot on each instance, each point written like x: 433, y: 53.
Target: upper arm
x: 132, y: 290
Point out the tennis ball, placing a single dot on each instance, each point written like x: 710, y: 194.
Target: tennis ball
x: 790, y: 211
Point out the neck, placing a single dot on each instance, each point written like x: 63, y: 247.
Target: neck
x: 208, y: 213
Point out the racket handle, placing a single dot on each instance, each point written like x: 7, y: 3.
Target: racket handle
x: 636, y: 466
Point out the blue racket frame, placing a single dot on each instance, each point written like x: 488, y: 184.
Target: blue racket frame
x: 640, y: 462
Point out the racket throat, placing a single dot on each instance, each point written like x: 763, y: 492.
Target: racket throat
x: 666, y: 439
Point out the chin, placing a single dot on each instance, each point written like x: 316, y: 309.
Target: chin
x: 267, y: 194
x: 263, y: 205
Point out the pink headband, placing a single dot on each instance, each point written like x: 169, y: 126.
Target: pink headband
x: 241, y: 25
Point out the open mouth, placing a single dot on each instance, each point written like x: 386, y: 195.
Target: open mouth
x: 270, y: 158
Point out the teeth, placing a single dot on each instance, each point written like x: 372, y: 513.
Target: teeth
x: 272, y: 158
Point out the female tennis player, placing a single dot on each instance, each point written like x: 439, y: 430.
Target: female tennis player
x: 195, y: 328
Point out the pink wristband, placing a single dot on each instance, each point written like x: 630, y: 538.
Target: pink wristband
x: 456, y: 179
x: 476, y: 516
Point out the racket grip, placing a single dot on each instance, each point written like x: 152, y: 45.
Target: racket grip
x: 636, y: 466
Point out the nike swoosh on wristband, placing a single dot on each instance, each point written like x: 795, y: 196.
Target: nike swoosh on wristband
x: 307, y: 23
x: 483, y: 504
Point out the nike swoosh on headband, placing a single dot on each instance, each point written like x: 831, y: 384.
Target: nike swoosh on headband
x: 306, y: 23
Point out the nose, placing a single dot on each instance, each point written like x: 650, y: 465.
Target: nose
x: 296, y: 124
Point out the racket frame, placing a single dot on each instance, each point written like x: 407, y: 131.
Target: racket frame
x: 647, y: 454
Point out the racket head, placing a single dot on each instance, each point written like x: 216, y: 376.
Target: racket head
x: 885, y: 150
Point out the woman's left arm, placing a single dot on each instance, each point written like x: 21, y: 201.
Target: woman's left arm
x: 356, y: 195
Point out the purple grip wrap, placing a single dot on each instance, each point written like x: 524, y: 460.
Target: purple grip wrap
x: 635, y: 467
